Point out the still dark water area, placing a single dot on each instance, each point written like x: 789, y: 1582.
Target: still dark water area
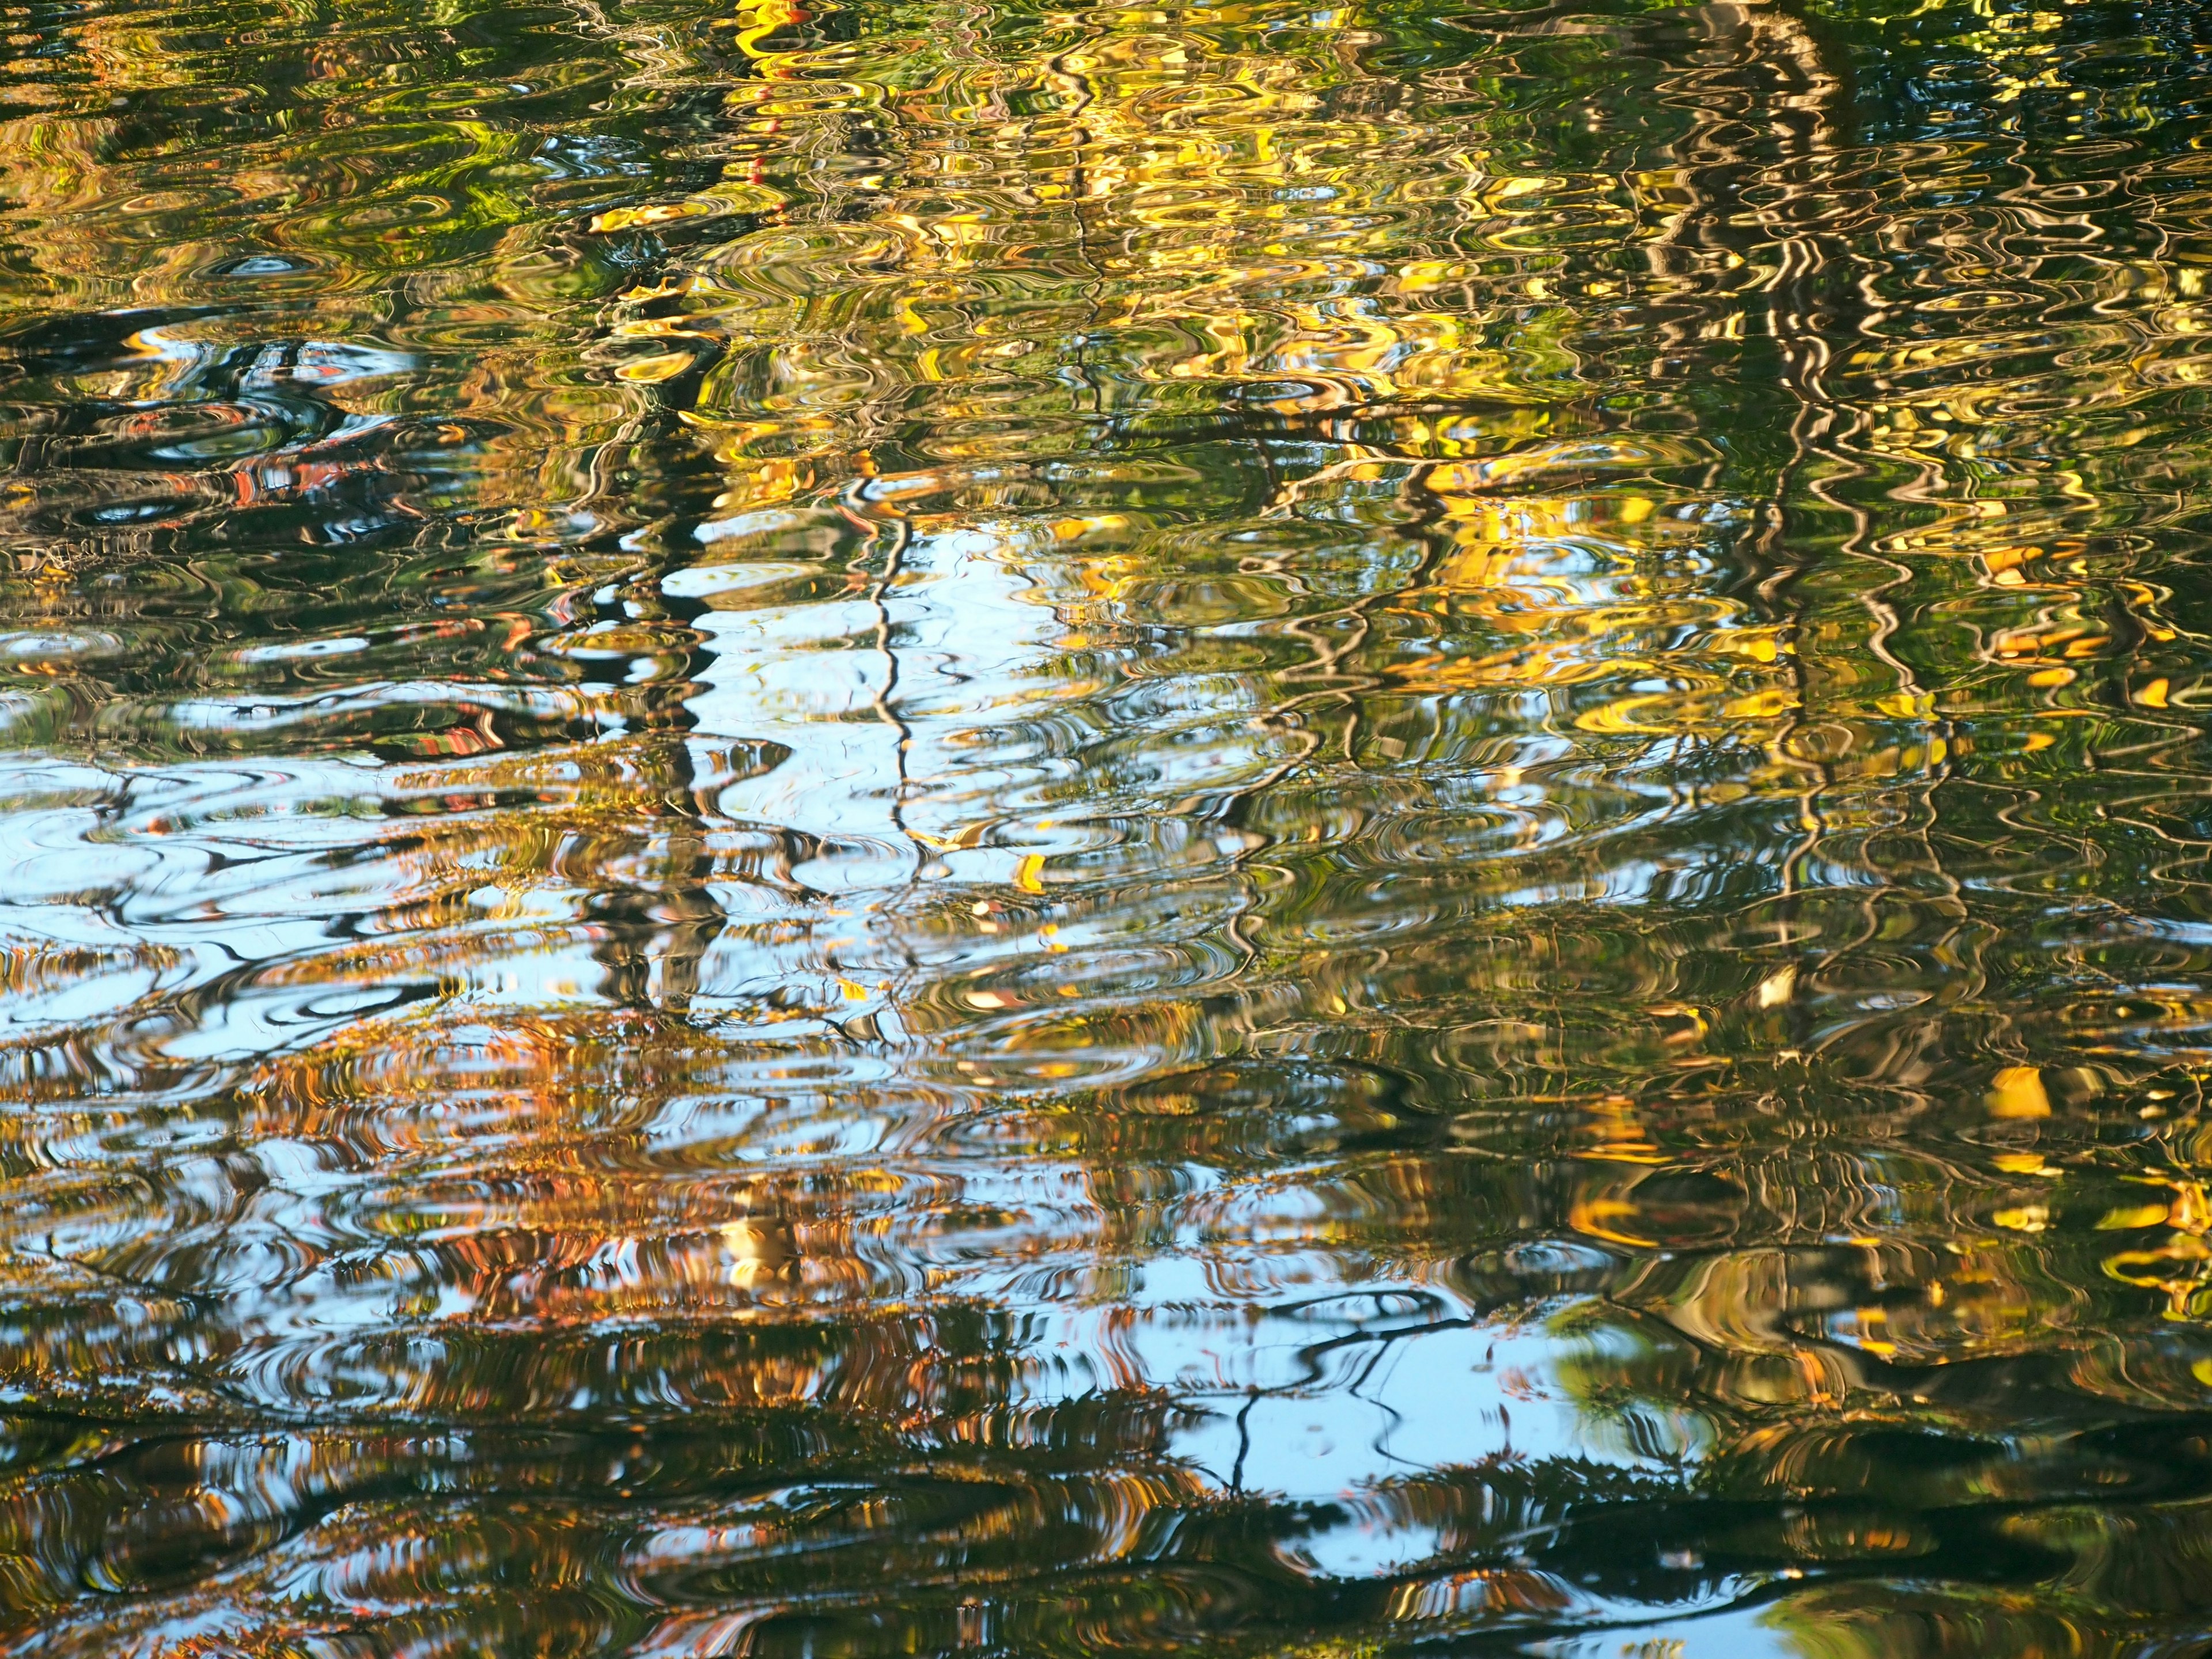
x: 923, y: 827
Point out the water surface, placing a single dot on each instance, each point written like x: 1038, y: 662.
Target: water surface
x: 1239, y: 829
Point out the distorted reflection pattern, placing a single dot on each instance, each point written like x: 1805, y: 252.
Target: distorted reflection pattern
x: 857, y: 830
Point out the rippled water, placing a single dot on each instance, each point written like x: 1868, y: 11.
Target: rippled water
x: 1229, y: 830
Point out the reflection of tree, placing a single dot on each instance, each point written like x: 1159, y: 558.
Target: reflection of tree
x: 1569, y: 712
